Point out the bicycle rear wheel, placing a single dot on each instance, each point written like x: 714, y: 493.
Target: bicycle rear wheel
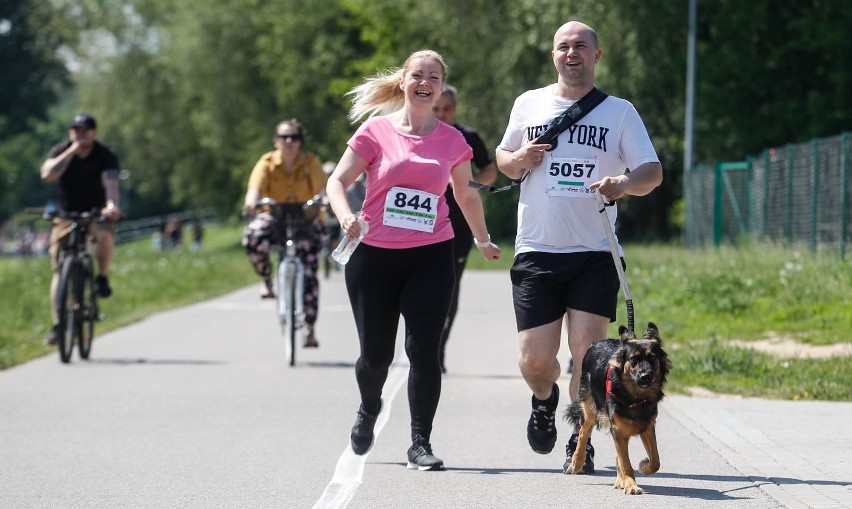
x: 67, y: 307
x: 88, y: 312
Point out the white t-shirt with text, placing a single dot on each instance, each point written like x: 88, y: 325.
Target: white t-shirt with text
x: 556, y: 211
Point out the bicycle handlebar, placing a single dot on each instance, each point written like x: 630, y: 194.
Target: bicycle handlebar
x: 316, y: 201
x: 93, y: 215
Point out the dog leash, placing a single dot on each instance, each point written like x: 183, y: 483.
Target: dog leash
x: 610, y: 236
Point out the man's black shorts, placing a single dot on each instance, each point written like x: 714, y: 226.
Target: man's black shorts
x: 544, y: 285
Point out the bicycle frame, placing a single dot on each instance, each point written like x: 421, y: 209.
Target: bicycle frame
x: 290, y: 291
x: 290, y: 301
x: 76, y: 296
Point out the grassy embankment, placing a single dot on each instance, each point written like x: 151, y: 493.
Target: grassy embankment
x: 705, y: 298
x: 144, y: 282
x: 699, y: 299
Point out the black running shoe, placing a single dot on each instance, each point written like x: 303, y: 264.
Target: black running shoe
x: 310, y: 337
x: 541, y: 428
x: 420, y: 456
x: 589, y: 465
x: 104, y: 290
x: 362, y: 436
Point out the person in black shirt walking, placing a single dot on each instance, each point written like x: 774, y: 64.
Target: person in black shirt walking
x: 445, y: 110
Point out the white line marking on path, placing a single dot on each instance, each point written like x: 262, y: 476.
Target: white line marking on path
x: 350, y: 466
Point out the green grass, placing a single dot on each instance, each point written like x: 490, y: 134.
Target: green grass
x: 746, y: 372
x: 700, y: 299
x: 144, y: 281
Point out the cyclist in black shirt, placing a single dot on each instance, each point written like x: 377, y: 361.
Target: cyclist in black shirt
x: 87, y: 172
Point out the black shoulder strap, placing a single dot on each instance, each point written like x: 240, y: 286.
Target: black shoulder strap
x: 571, y: 116
x: 565, y: 120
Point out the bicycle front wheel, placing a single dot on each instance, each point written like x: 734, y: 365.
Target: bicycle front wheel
x: 68, y: 297
x: 88, y: 312
x: 291, y: 330
x: 287, y: 307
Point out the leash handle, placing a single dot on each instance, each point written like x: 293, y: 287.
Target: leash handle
x: 610, y: 236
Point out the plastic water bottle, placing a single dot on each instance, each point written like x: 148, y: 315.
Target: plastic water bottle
x: 347, y: 246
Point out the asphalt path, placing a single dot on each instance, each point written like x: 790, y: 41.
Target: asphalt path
x: 196, y: 408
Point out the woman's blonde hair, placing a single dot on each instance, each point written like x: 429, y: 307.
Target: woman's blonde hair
x: 381, y: 94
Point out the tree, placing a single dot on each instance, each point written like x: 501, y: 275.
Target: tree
x: 30, y: 82
x: 187, y: 93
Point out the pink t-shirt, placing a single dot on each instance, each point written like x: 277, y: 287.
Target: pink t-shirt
x: 395, y: 159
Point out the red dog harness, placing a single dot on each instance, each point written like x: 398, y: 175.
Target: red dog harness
x: 610, y: 394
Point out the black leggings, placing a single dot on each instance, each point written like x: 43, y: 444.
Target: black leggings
x: 416, y: 283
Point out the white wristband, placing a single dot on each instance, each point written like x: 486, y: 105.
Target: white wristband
x: 484, y: 243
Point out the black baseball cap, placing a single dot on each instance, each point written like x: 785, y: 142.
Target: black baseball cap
x: 84, y: 120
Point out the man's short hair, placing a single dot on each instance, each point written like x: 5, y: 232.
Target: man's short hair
x: 450, y: 91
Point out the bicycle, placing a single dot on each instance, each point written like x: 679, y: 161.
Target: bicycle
x: 76, y: 291
x: 293, y: 222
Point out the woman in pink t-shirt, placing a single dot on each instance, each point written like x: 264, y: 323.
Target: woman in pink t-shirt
x: 404, y: 265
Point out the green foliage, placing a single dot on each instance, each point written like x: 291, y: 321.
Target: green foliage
x: 742, y: 371
x: 187, y: 93
x: 752, y: 57
x: 31, y: 78
x: 32, y: 70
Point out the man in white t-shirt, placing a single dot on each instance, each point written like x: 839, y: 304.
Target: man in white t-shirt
x: 563, y: 265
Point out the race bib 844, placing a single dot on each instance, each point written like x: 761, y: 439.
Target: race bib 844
x: 411, y: 209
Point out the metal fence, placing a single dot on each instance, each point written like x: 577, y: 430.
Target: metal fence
x: 797, y: 194
x: 126, y: 231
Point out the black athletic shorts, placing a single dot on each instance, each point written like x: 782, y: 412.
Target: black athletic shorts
x: 545, y: 285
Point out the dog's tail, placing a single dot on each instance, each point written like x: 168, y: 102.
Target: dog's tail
x: 574, y: 413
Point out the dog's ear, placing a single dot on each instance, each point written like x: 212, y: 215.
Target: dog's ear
x: 625, y: 334
x: 619, y: 356
x: 621, y: 330
x: 652, y: 333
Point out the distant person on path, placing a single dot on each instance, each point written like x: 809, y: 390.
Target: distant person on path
x: 87, y: 172
x: 197, y: 233
x: 563, y: 265
x: 404, y: 265
x: 445, y: 110
x: 286, y: 175
x: 175, y: 233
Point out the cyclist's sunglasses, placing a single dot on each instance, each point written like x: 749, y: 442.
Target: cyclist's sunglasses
x: 289, y: 137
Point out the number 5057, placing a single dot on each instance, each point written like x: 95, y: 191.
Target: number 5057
x: 571, y: 170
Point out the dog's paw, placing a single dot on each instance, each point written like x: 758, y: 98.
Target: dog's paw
x: 632, y: 489
x: 573, y: 469
x: 627, y: 485
x: 646, y: 468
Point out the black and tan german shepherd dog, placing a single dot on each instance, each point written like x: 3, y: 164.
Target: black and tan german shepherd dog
x: 621, y: 385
